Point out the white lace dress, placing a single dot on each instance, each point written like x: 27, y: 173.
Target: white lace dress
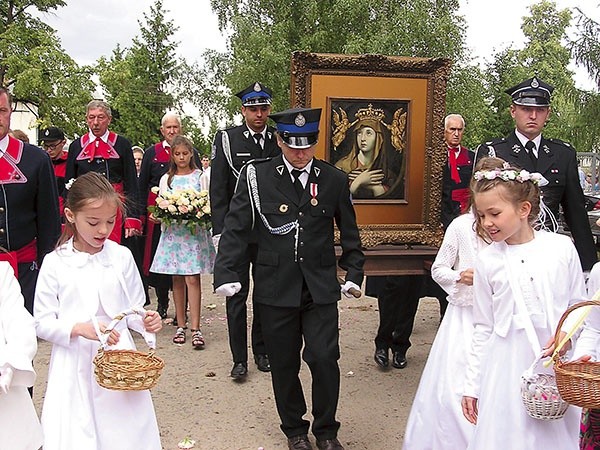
x: 436, y: 420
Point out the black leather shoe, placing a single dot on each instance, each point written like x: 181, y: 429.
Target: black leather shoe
x: 299, y: 442
x: 330, y: 444
x: 262, y: 362
x: 239, y: 371
x: 381, y: 357
x: 399, y: 360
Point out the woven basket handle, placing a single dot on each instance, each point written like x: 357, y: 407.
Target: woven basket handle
x: 150, y: 338
x: 529, y: 372
x: 570, y: 309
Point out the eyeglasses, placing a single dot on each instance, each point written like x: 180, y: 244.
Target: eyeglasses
x: 47, y: 146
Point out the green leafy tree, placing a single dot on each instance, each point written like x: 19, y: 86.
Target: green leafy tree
x: 546, y: 55
x: 585, y: 48
x: 36, y: 69
x: 264, y: 33
x: 586, y: 45
x: 139, y: 81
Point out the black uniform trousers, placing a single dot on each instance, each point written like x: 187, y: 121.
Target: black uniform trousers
x: 237, y: 314
x: 285, y: 331
x: 28, y: 274
x: 398, y: 301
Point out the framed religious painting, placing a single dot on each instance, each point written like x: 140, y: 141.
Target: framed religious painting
x: 382, y: 124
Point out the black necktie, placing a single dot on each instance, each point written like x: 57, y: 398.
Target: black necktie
x: 257, y: 138
x: 530, y: 146
x: 297, y: 183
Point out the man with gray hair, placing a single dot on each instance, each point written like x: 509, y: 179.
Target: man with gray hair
x: 107, y: 153
x: 155, y: 164
x: 457, y: 171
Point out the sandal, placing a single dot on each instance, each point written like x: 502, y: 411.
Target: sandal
x: 179, y: 337
x: 197, y: 339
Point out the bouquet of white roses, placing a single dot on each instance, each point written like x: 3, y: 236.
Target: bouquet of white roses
x: 188, y: 206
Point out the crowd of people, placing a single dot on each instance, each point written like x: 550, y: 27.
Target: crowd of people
x: 502, y: 276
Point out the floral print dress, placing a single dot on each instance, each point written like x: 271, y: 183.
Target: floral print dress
x: 181, y: 251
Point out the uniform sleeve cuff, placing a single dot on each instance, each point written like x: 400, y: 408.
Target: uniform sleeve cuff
x: 134, y: 223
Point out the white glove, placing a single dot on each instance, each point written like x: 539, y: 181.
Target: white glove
x: 215, y: 240
x: 346, y: 288
x: 6, y: 379
x: 229, y: 289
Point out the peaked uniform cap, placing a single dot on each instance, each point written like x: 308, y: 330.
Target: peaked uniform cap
x: 531, y: 92
x: 51, y: 134
x: 256, y: 94
x: 298, y: 127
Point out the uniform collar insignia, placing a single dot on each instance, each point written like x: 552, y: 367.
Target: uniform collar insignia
x: 280, y: 169
x: 546, y: 148
x: 246, y: 134
x: 317, y: 171
x: 516, y: 148
x: 270, y: 135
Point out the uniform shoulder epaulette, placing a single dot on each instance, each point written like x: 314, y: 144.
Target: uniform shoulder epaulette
x: 259, y: 160
x: 559, y: 142
x: 496, y: 141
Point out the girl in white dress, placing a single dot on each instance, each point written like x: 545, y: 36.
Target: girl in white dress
x: 89, y: 276
x: 181, y: 253
x: 524, y: 280
x: 436, y: 420
x: 20, y: 427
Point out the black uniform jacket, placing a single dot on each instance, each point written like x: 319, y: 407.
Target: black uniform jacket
x: 223, y: 178
x: 28, y: 199
x: 557, y: 162
x: 307, y: 252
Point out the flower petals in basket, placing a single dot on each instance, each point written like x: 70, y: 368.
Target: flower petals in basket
x: 540, y: 395
x: 126, y: 370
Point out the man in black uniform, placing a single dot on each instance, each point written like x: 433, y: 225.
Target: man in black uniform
x: 291, y: 202
x: 29, y: 218
x: 232, y: 148
x: 556, y: 160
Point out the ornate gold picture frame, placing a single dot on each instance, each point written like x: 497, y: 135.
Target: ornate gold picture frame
x: 402, y: 101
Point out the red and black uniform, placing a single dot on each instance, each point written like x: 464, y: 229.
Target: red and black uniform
x: 455, y: 183
x: 111, y: 156
x: 60, y: 169
x: 29, y: 217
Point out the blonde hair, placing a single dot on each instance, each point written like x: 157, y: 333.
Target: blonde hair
x: 84, y: 190
x: 514, y: 191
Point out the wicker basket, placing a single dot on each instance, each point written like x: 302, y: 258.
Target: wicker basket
x: 578, y: 382
x: 126, y: 370
x: 540, y: 394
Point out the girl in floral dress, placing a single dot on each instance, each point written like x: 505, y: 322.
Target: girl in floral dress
x: 181, y: 252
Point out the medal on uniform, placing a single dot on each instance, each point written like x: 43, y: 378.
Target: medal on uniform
x: 283, y: 208
x: 314, y: 191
